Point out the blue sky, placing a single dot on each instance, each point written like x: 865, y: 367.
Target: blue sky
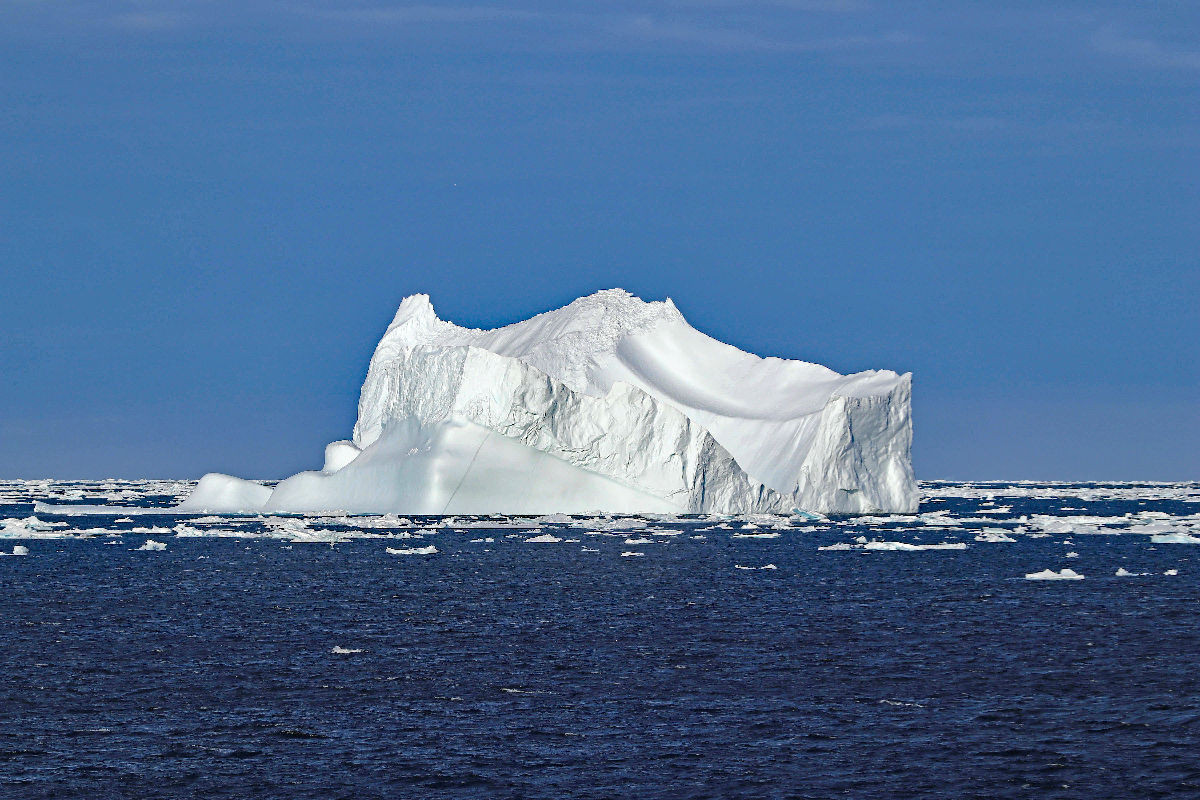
x: 209, y: 211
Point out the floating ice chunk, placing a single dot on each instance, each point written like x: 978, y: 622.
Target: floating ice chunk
x: 18, y: 550
x: 412, y: 551
x: 1071, y: 554
x: 31, y: 528
x: 755, y: 536
x: 591, y: 550
x: 150, y: 544
x: 1174, y: 538
x: 35, y: 524
x: 994, y: 535
x: 877, y: 545
x: 1050, y: 575
x: 1171, y: 572
x: 545, y: 538
x: 629, y: 553
x: 1124, y: 573
x: 639, y: 541
x: 764, y: 566
x: 345, y: 651
x: 839, y: 546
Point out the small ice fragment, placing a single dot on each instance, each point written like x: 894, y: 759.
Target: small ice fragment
x: 150, y: 544
x: 628, y: 553
x: 1174, y: 538
x: 765, y: 566
x: 412, y: 551
x: 1124, y: 573
x: 20, y: 550
x: 1050, y: 575
x: 342, y: 651
x: 545, y: 538
x: 639, y: 541
x: 1168, y: 572
x: 1071, y: 554
x: 994, y: 535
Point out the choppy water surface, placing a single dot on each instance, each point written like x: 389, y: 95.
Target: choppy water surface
x: 300, y: 657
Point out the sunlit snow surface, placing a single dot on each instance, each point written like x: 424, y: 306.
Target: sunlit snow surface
x: 764, y: 656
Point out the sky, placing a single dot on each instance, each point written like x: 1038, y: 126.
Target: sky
x: 210, y: 210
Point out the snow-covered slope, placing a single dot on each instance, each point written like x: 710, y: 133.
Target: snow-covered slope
x: 611, y: 404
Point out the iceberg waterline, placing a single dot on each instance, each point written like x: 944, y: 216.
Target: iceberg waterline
x: 609, y: 404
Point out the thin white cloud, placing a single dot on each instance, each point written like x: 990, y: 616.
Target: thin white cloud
x: 1150, y: 52
x: 653, y: 29
x: 815, y: 6
x: 418, y: 14
x: 974, y: 124
x: 152, y: 21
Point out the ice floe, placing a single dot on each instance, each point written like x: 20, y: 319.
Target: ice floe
x: 1174, y: 538
x: 412, y: 551
x: 1066, y: 574
x: 878, y: 545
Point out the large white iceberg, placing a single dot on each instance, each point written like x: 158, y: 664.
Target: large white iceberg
x: 608, y: 404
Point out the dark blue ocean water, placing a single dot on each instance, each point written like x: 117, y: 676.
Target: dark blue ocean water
x: 510, y: 669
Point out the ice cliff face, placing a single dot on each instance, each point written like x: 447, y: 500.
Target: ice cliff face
x: 608, y: 404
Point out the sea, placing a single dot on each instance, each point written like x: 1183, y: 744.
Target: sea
x: 1012, y: 640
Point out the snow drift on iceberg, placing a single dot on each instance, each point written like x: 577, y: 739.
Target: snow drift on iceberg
x: 608, y: 404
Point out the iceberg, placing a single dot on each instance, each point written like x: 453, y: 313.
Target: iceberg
x: 610, y: 404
